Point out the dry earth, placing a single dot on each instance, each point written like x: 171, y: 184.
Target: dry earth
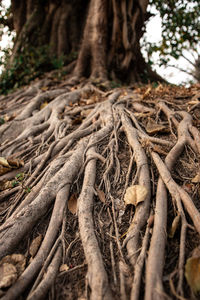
x: 68, y: 156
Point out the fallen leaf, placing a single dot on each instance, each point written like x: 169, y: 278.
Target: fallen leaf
x: 174, y: 226
x: 18, y: 260
x: 85, y: 112
x: 101, y: 195
x: 15, y: 163
x: 4, y: 185
x: 64, y: 267
x: 159, y: 149
x: 153, y: 127
x: 148, y: 91
x: 7, y: 164
x: 43, y: 105
x: 192, y: 271
x: 35, y: 244
x: 4, y: 162
x: 196, y: 179
x: 8, y: 275
x: 72, y: 204
x: 77, y: 121
x: 44, y: 88
x: 90, y: 101
x: 135, y: 194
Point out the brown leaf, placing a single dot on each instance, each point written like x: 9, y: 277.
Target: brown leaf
x: 44, y: 88
x: 15, y: 163
x: 77, y: 121
x: 4, y: 185
x: 72, y: 204
x: 153, y: 127
x: 8, y: 275
x: 18, y: 260
x: 192, y: 271
x: 135, y: 194
x: 159, y: 149
x: 174, y: 227
x: 4, y: 170
x: 101, y: 195
x: 33, y: 249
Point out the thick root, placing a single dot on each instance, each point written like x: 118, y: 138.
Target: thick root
x: 81, y: 149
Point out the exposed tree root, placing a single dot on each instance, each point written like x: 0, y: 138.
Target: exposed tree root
x: 86, y: 146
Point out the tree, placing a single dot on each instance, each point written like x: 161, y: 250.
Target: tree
x: 108, y: 49
x: 74, y: 147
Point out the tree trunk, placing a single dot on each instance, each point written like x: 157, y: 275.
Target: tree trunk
x: 106, y: 35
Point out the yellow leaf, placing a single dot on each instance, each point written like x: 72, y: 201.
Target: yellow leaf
x: 148, y: 91
x: 44, y: 104
x: 72, y: 204
x: 4, y: 162
x: 64, y: 267
x: 196, y: 179
x: 192, y: 272
x: 135, y: 194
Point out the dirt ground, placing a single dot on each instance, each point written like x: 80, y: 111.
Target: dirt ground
x: 155, y: 113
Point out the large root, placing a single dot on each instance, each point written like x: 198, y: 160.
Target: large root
x: 85, y: 147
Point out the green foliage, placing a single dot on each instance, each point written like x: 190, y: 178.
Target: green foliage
x: 27, y: 65
x: 180, y: 28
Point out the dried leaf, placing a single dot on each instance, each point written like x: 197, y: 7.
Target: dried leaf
x: 43, y: 105
x: 64, y: 267
x: 72, y: 204
x: 174, y: 227
x: 101, y: 195
x: 44, y: 88
x: 135, y: 194
x: 33, y: 249
x: 159, y: 149
x: 148, y: 91
x: 8, y: 118
x: 192, y: 271
x: 77, y: 121
x: 153, y: 127
x: 4, y: 162
x: 4, y: 170
x: 8, y: 275
x: 196, y: 179
x: 4, y: 185
x: 15, y: 163
x: 90, y: 101
x: 17, y: 260
x: 85, y: 112
x: 7, y: 164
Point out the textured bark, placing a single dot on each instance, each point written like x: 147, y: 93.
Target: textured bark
x: 105, y: 34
